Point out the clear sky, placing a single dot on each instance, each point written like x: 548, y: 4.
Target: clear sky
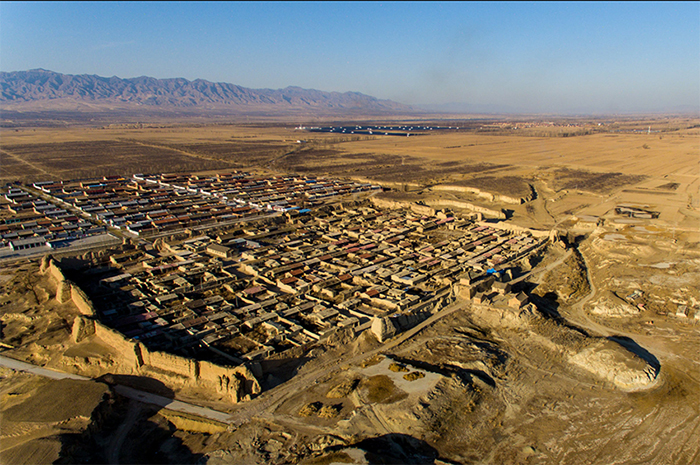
x: 534, y: 57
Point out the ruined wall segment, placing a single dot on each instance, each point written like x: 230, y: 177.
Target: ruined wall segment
x: 434, y: 204
x: 81, y: 300
x: 125, y: 348
x: 487, y: 195
x: 183, y: 367
x: 65, y: 289
x: 63, y: 292
x: 238, y: 383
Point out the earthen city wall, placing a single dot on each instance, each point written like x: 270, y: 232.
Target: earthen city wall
x: 239, y: 383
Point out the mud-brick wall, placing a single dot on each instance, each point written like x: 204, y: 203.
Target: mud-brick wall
x: 392, y: 204
x: 66, y: 290
x: 234, y: 381
x: 182, y: 366
x: 134, y: 358
x: 223, y: 380
x: 55, y: 272
x: 81, y: 300
x: 520, y: 230
x: 442, y: 203
x: 129, y: 353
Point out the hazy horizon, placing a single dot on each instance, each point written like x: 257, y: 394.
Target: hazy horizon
x: 566, y: 58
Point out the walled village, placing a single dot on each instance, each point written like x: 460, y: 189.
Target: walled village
x: 223, y: 284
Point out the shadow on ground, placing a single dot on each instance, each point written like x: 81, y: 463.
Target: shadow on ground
x: 123, y: 430
x: 638, y: 350
x: 395, y: 448
x: 278, y: 371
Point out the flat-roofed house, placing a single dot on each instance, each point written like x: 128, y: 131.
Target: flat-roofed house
x: 518, y: 301
x: 219, y: 250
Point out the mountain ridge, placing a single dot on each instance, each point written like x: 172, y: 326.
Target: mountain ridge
x: 48, y: 89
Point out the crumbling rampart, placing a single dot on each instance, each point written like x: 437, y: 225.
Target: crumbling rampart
x: 134, y: 358
x: 65, y: 289
x: 129, y: 357
x: 521, y: 230
x: 239, y: 383
x: 433, y: 204
x: 396, y: 204
x: 441, y: 203
x: 81, y: 300
x: 389, y: 326
x: 486, y: 195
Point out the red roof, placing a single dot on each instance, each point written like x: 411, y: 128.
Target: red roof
x: 254, y: 290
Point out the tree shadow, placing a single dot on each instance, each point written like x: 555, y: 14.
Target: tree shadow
x: 124, y: 430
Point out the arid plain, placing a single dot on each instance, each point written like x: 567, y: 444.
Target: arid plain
x: 620, y: 200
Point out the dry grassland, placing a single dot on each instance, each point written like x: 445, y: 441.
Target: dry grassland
x: 675, y: 153
x: 633, y: 154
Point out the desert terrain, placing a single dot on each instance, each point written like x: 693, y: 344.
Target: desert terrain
x: 604, y: 369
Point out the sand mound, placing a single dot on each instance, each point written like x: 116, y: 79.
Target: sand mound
x: 613, y: 362
x: 612, y: 305
x: 343, y: 389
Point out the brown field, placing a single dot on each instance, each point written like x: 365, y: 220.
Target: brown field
x: 588, y: 173
x: 626, y: 153
x: 70, y: 160
x: 593, y: 182
x: 508, y: 185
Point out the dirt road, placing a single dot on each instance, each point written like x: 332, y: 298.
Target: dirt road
x: 131, y: 393
x: 270, y: 400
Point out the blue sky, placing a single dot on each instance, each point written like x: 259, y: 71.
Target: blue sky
x: 535, y: 57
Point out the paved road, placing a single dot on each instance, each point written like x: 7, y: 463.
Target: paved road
x: 131, y: 393
x: 72, y: 247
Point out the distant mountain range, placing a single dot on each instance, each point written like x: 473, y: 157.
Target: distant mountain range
x: 43, y: 90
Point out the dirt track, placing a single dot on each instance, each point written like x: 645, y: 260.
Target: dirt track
x: 268, y: 402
